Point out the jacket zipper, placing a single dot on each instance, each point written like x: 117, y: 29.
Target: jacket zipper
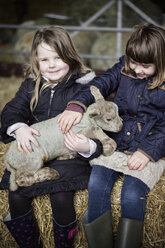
x: 50, y: 102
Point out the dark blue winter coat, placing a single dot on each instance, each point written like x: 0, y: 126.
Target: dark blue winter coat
x: 142, y: 110
x: 74, y: 173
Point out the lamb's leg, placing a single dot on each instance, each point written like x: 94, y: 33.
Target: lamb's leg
x: 25, y: 178
x: 109, y: 145
x: 13, y: 185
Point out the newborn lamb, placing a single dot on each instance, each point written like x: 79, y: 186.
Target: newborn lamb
x: 26, y: 168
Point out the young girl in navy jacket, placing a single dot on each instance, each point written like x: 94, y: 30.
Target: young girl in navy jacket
x: 139, y: 82
x: 55, y: 74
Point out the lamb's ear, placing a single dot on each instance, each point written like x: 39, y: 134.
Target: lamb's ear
x: 96, y: 93
x: 93, y: 112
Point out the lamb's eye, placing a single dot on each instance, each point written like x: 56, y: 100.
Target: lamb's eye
x: 108, y: 119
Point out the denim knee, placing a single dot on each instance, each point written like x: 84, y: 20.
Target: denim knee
x: 99, y: 179
x: 133, y: 198
x: 99, y: 189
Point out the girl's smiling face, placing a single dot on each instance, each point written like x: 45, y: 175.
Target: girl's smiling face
x: 52, y: 67
x: 142, y: 70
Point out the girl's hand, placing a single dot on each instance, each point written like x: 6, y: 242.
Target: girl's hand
x: 24, y: 137
x: 137, y: 161
x: 67, y: 119
x: 76, y: 142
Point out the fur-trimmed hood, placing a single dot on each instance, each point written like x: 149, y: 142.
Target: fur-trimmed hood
x: 86, y: 78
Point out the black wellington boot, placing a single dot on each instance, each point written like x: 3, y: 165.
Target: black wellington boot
x: 129, y: 233
x: 64, y: 234
x: 24, y: 230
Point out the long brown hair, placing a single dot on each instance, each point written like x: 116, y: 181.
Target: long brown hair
x: 147, y: 45
x: 57, y: 38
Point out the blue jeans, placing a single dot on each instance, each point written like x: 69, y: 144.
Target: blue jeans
x: 133, y: 194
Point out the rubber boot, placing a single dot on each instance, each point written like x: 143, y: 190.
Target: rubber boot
x: 129, y: 233
x: 23, y: 230
x: 64, y: 234
x: 99, y: 232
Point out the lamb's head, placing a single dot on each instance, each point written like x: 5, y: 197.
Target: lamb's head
x: 104, y: 113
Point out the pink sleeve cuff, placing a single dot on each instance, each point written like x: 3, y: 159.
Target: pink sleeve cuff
x: 75, y: 107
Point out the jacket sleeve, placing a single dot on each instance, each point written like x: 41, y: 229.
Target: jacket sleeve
x: 17, y: 110
x: 106, y: 83
x: 96, y: 154
x: 153, y: 144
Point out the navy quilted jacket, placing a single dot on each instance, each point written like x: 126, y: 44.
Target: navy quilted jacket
x: 142, y: 110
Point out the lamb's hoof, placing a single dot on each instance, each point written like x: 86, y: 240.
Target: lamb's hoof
x: 13, y: 187
x: 109, y: 147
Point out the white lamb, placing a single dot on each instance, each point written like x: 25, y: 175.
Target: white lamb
x: 26, y: 169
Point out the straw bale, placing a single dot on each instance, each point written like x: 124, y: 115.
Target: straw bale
x: 154, y: 228
x: 23, y: 44
x: 8, y: 88
x: 106, y: 45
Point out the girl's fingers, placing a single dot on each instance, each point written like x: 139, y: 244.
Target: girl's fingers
x: 67, y: 119
x: 26, y: 149
x: 69, y: 140
x: 68, y: 125
x: 35, y: 142
x: 69, y: 145
x: 133, y: 165
x: 137, y: 166
x: 71, y: 135
x: 141, y: 167
x: 64, y: 125
x: 19, y: 146
x: 60, y: 117
x: 81, y: 136
x: 36, y: 132
x: 77, y: 120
